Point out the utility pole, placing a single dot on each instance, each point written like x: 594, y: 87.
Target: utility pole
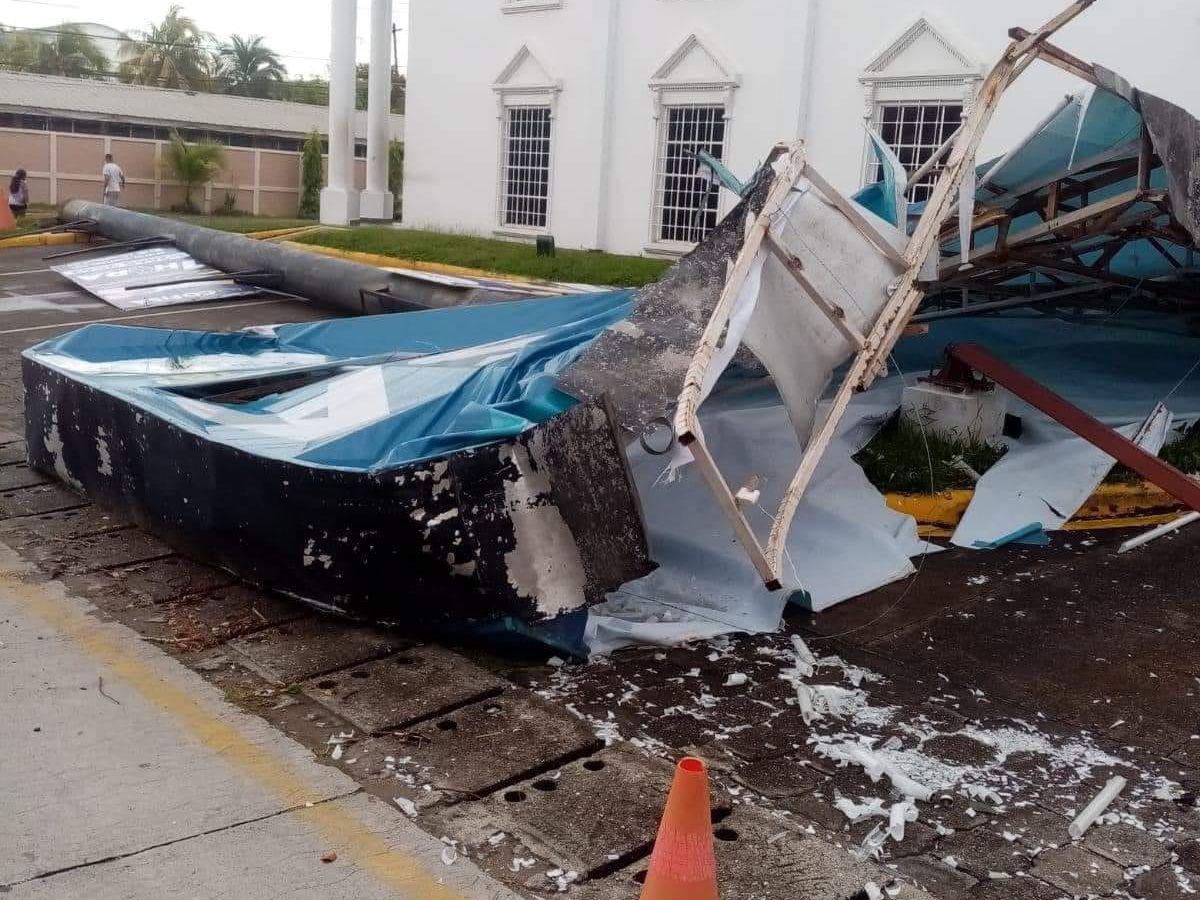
x: 396, y: 68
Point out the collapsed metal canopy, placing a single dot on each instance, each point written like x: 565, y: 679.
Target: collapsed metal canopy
x: 1099, y: 204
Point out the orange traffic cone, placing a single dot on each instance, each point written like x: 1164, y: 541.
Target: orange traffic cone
x: 6, y: 217
x: 682, y: 866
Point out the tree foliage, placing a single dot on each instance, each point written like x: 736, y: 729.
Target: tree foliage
x: 396, y: 176
x: 362, y: 75
x: 310, y: 177
x: 169, y: 54
x: 195, y: 165
x: 247, y: 67
x: 67, y: 51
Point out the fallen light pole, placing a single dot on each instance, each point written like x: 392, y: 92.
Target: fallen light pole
x: 1116, y: 445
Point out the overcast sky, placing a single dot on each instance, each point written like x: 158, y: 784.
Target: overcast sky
x: 298, y: 30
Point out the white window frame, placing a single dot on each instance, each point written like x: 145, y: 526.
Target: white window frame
x: 871, y: 164
x: 662, y: 136
x: 503, y: 175
x: 959, y: 82
x: 669, y: 90
x: 545, y: 93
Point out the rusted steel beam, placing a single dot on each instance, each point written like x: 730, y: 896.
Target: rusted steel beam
x: 1090, y: 429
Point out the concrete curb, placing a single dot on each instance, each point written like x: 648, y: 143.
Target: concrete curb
x: 57, y: 239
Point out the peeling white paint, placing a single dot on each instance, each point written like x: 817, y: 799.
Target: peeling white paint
x: 545, y: 563
x: 54, y: 446
x: 105, y: 467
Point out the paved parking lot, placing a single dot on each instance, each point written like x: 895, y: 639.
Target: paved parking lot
x: 1033, y: 674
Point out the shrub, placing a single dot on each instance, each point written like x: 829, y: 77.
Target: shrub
x: 195, y: 165
x: 310, y: 177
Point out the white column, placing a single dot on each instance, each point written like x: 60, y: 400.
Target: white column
x: 339, y: 200
x: 377, y: 199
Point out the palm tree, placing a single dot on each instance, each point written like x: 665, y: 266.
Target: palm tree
x: 66, y: 50
x: 249, y: 67
x: 169, y: 54
x: 192, y: 164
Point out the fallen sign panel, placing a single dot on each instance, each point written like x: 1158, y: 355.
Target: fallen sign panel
x: 416, y: 469
x: 151, y: 277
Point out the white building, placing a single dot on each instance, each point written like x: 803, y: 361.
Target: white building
x: 573, y: 117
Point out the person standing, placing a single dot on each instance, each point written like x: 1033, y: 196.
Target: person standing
x: 114, y: 181
x: 18, y: 194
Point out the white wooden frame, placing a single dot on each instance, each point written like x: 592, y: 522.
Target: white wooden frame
x: 871, y: 359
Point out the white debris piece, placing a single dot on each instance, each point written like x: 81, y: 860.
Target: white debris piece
x: 406, y: 806
x: 337, y: 752
x: 745, y: 495
x: 872, y: 845
x: 982, y: 792
x: 520, y: 863
x: 871, y: 807
x: 804, y: 656
x: 860, y: 754
x: 901, y: 814
x: 837, y: 701
x: 449, y: 855
x: 562, y: 880
x: 736, y: 679
x: 1093, y: 810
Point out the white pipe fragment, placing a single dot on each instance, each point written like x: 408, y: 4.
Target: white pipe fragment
x: 902, y: 813
x: 1093, y: 810
x: 1155, y: 533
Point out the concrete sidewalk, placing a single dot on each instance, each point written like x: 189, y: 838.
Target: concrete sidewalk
x: 125, y: 775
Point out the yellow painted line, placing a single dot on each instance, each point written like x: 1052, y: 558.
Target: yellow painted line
x: 57, y: 239
x: 350, y: 837
x: 1112, y: 506
x: 393, y: 262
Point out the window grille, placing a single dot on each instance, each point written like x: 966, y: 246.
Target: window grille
x: 525, y: 167
x: 685, y: 196
x: 914, y: 131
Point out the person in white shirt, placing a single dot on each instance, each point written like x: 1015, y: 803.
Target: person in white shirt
x: 114, y: 181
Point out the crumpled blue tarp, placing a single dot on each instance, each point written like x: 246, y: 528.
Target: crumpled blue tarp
x: 379, y: 391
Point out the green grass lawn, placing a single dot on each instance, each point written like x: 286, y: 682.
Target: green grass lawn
x: 900, y: 459
x: 494, y: 256
x: 237, y: 224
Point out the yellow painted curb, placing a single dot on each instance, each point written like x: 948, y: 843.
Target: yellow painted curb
x: 56, y: 239
x: 1112, y: 506
x: 392, y: 262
